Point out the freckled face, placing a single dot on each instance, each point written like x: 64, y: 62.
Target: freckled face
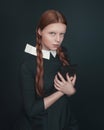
x: 52, y: 36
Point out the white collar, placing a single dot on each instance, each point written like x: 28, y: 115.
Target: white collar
x: 32, y: 50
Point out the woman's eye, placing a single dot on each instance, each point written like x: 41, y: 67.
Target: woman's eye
x: 62, y: 34
x: 52, y: 33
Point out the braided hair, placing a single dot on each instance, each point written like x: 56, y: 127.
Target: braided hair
x: 48, y: 17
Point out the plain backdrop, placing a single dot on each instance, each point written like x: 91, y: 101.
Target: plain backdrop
x: 84, y: 40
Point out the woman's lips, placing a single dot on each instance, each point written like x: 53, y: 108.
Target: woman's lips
x: 56, y: 45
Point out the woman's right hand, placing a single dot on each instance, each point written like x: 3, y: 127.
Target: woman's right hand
x: 65, y: 86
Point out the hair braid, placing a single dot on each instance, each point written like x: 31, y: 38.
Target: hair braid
x: 62, y: 56
x: 47, y: 18
x: 40, y: 71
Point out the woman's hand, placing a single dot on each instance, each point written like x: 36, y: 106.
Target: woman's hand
x: 65, y: 86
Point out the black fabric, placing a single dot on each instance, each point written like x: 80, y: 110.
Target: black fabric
x: 56, y: 117
x: 70, y: 69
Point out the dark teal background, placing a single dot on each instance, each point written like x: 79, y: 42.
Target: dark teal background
x: 84, y: 39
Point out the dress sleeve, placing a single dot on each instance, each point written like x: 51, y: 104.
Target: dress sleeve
x: 32, y: 105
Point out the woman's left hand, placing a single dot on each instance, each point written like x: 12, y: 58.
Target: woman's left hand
x: 65, y: 86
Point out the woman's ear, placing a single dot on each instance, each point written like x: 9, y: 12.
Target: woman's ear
x: 39, y: 31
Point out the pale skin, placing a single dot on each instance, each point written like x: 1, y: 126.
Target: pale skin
x: 63, y: 87
x: 52, y: 37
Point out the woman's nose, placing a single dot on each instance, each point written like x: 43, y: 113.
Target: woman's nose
x: 57, y: 38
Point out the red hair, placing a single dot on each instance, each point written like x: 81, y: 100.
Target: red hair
x: 48, y: 17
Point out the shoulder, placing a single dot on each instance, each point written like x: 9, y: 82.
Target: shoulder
x: 29, y: 53
x: 28, y: 62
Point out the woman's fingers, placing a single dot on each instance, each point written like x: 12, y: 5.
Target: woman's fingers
x: 57, y: 81
x: 61, y: 77
x: 74, y: 79
x: 68, y: 77
x: 59, y: 84
x: 65, y: 86
x: 58, y: 88
x: 71, y: 79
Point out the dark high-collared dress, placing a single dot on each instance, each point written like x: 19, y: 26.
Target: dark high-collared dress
x: 56, y: 117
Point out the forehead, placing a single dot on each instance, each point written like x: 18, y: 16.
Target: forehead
x: 58, y: 27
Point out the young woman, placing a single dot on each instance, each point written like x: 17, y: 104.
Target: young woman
x: 45, y: 92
